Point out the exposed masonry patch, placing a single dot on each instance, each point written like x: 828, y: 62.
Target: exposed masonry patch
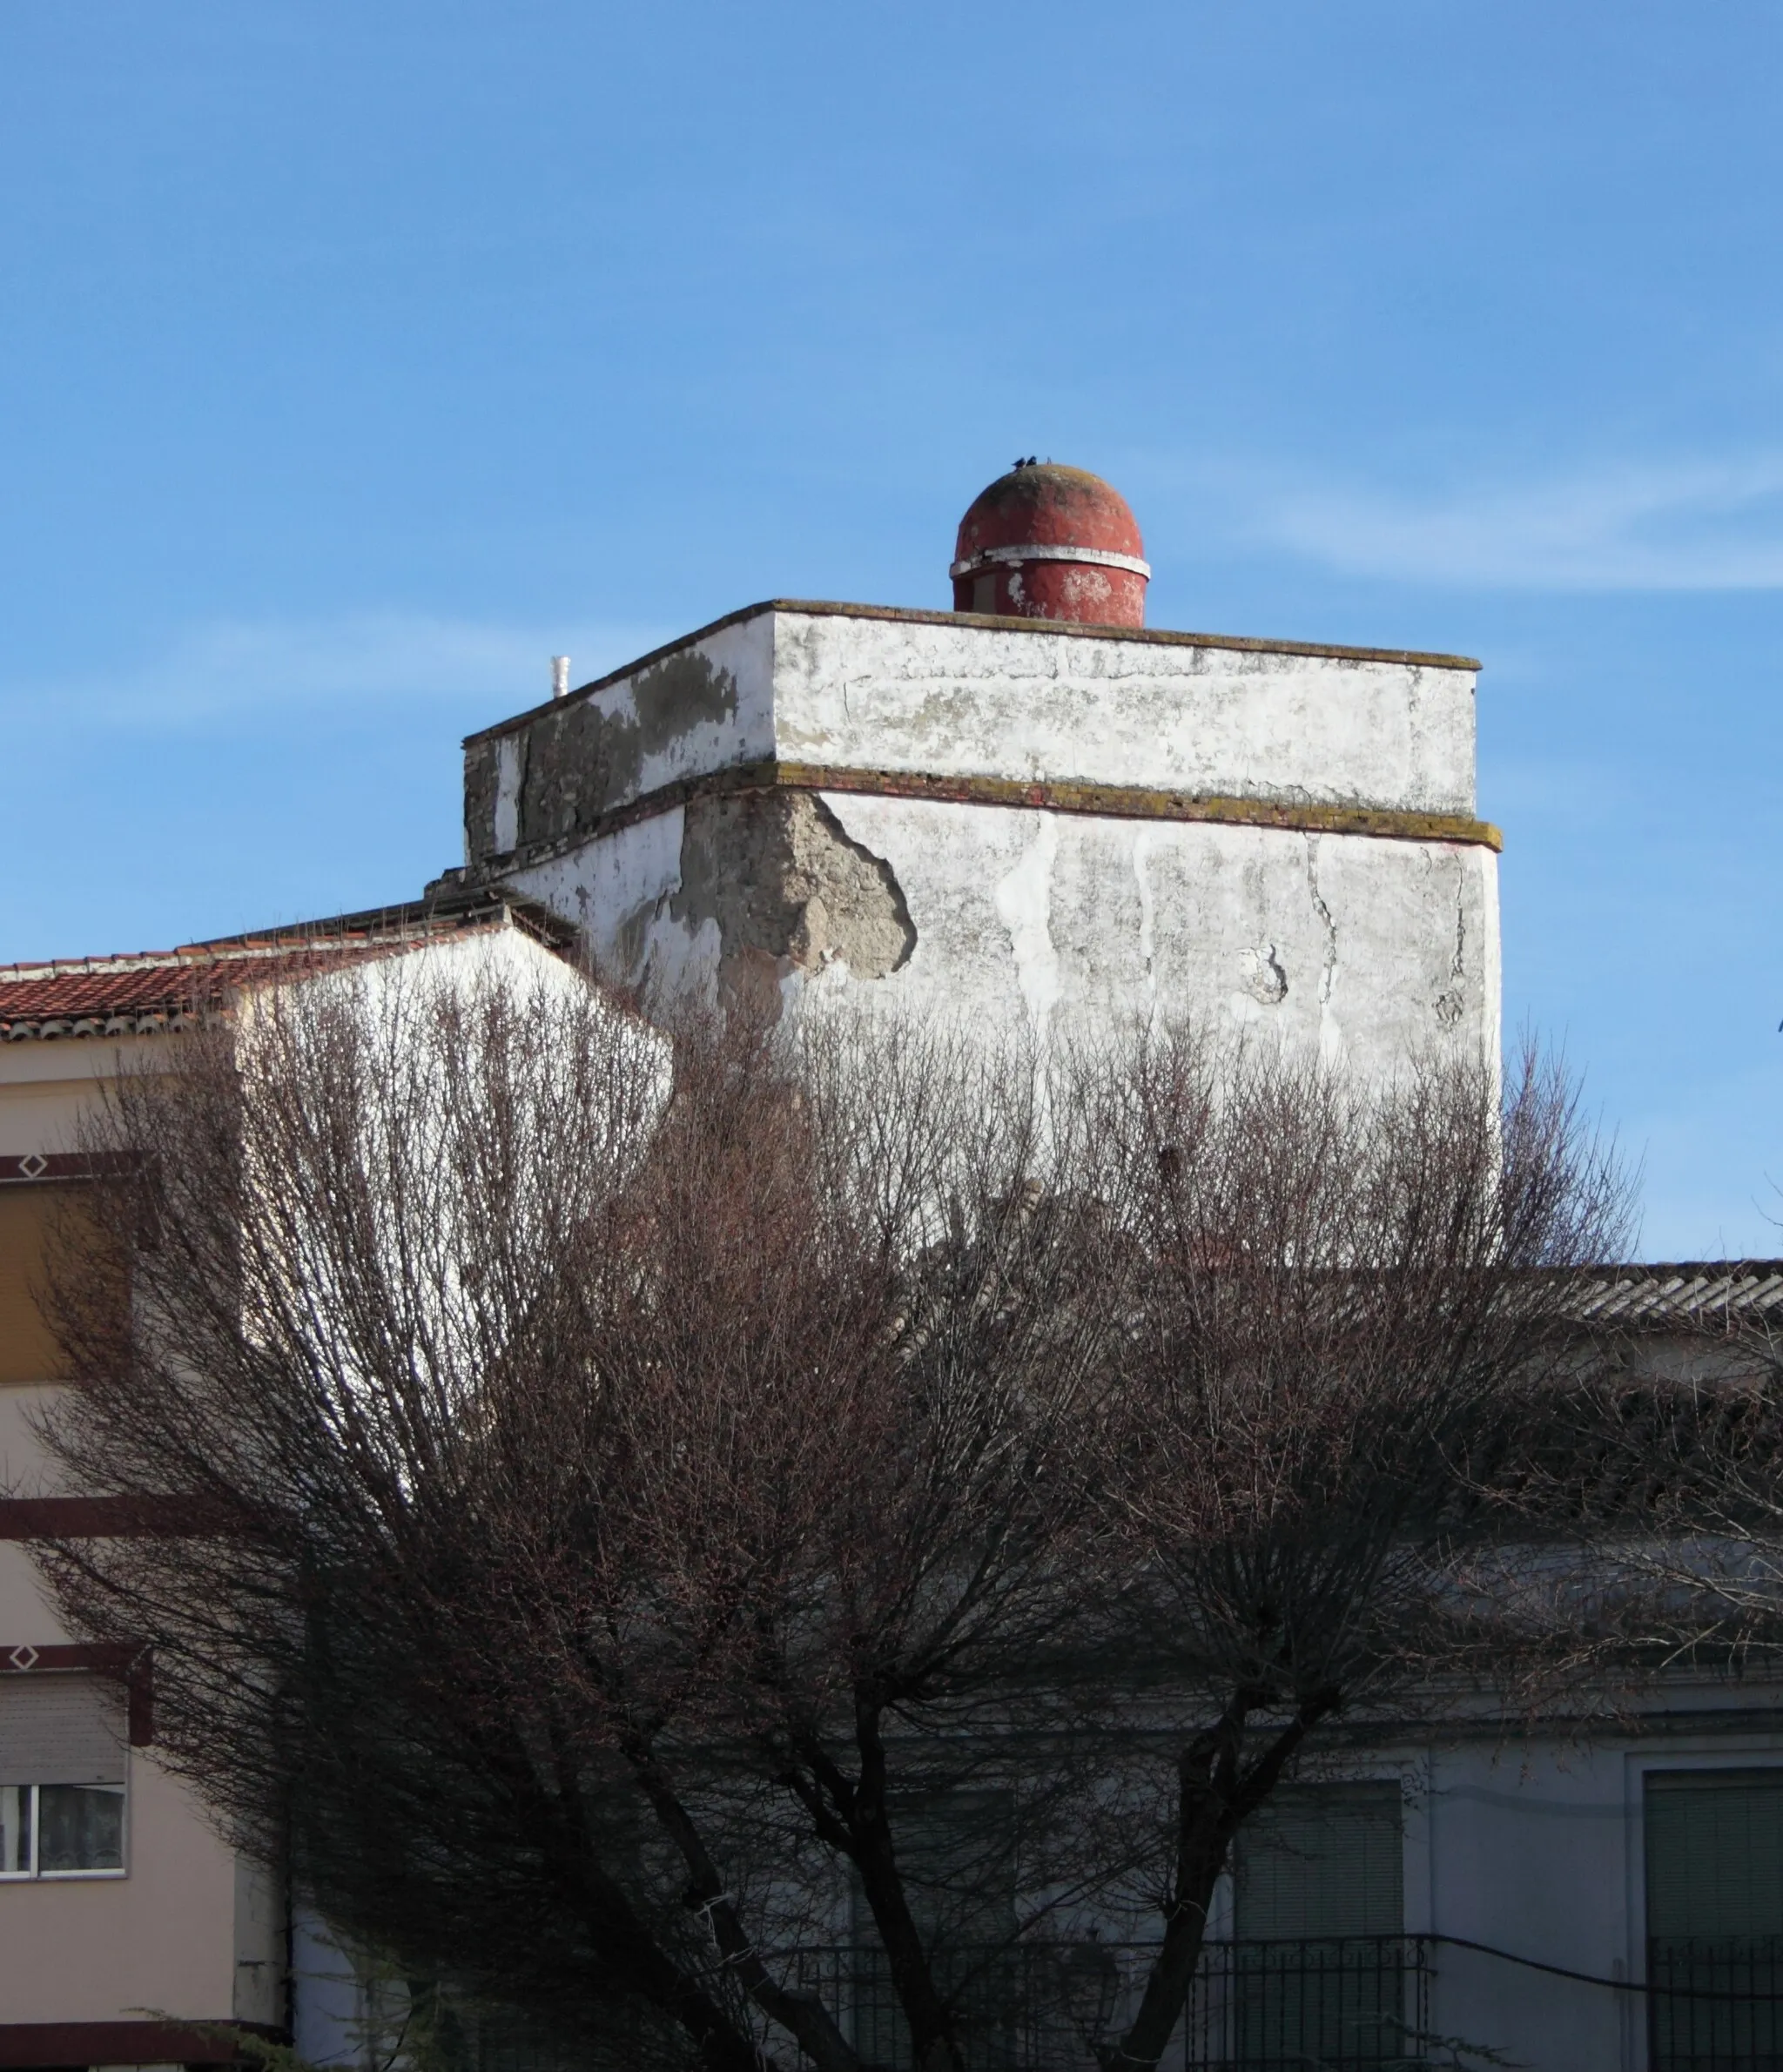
x: 566, y: 770
x: 1263, y: 979
x: 783, y: 882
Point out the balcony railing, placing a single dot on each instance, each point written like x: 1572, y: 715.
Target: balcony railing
x: 1715, y: 2006
x: 1356, y: 2003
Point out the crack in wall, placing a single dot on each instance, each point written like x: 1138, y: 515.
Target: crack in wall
x: 1024, y: 901
x: 1147, y: 918
x: 1451, y: 1003
x: 1328, y: 976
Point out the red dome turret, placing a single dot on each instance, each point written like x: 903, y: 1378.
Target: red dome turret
x: 1048, y: 542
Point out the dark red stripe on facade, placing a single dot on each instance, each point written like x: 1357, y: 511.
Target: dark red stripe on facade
x: 46, y: 1165
x: 43, y: 2045
x: 97, y: 1517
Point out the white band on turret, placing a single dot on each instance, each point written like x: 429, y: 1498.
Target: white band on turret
x: 1097, y: 556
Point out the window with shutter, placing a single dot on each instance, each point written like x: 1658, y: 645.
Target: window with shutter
x: 58, y: 1728
x: 1714, y: 1906
x: 62, y: 1758
x: 1327, y: 1860
x: 27, y: 1351
x: 1319, y: 1906
x: 34, y: 1217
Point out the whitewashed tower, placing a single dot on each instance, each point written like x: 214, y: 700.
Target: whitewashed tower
x: 1031, y: 806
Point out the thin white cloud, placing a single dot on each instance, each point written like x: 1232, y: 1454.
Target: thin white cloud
x: 1705, y: 525
x: 236, y: 669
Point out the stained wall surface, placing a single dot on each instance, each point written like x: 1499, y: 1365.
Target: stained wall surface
x: 1370, y: 949
x: 955, y: 695
x: 1014, y: 825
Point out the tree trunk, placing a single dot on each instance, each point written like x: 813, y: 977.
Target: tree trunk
x: 1216, y: 1794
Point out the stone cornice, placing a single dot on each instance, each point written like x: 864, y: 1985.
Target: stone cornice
x: 1110, y: 802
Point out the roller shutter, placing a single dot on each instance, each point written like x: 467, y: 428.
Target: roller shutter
x: 1714, y: 1850
x: 59, y: 1728
x: 1714, y: 1876
x: 1327, y: 1860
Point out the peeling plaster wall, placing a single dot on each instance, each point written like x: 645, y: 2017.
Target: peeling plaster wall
x: 1366, y: 949
x: 946, y: 698
x: 704, y: 707
x: 764, y: 881
x: 1005, y: 914
x: 1041, y: 705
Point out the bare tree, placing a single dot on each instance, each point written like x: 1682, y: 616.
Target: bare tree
x: 587, y: 1470
x: 1348, y: 1293
x: 631, y: 1502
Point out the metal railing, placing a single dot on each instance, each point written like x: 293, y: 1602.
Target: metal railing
x: 1354, y: 2003
x: 1715, y: 2005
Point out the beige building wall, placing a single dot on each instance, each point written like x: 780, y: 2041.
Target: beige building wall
x: 187, y: 1929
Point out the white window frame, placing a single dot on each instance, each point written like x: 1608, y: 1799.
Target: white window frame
x: 34, y: 1876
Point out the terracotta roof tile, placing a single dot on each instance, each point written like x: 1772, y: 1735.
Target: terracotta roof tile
x: 153, y: 989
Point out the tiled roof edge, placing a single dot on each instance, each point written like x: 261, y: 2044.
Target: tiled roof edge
x: 449, y: 910
x: 456, y: 908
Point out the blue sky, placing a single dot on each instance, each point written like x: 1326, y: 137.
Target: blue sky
x: 354, y: 360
